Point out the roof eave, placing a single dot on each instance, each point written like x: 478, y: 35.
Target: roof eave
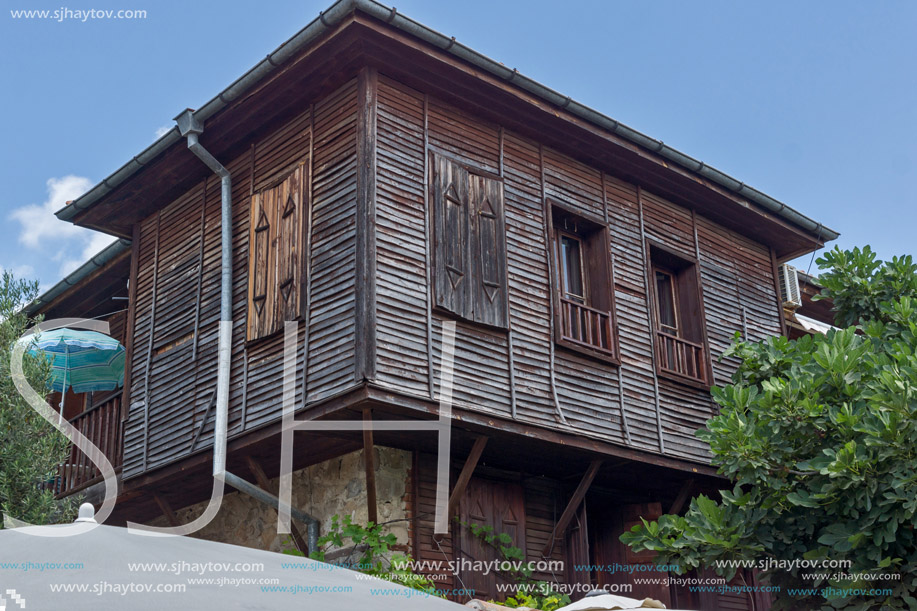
x: 339, y: 11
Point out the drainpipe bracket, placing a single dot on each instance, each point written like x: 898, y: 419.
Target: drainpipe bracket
x: 188, y: 123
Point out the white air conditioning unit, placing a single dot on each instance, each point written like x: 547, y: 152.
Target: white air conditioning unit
x: 789, y: 286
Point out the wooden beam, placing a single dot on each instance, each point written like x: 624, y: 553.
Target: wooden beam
x: 369, y: 461
x: 477, y: 422
x: 578, y: 495
x: 265, y: 484
x: 682, y: 497
x: 129, y: 324
x: 775, y: 271
x: 465, y: 476
x: 166, y: 510
x: 365, y: 288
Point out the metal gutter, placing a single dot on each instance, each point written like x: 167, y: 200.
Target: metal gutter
x: 98, y: 261
x: 191, y: 128
x: 340, y: 10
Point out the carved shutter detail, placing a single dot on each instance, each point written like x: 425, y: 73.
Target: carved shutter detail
x: 275, y: 256
x: 469, y: 235
x: 451, y: 219
x: 489, y: 252
x: 289, y: 248
x: 261, y: 263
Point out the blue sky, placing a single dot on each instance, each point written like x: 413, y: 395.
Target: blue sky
x: 811, y: 102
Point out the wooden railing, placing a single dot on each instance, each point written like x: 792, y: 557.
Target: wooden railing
x: 101, y: 424
x: 586, y: 326
x: 681, y: 357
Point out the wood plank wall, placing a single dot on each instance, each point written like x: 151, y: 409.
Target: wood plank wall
x: 173, y: 372
x: 552, y: 386
x: 517, y: 373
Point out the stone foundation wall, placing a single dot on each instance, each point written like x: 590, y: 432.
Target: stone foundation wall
x: 336, y: 486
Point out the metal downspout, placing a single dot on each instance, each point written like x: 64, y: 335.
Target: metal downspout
x: 191, y: 128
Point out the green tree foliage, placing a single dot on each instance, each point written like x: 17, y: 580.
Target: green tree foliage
x: 819, y: 436
x: 30, y: 448
x: 377, y: 556
x: 530, y: 592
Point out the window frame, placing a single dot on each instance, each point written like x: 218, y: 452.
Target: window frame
x: 673, y: 290
x: 595, y: 235
x: 683, y: 269
x: 562, y: 267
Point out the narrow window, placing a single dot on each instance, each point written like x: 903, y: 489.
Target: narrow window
x: 679, y: 335
x: 584, y: 309
x: 572, y: 268
x: 666, y: 308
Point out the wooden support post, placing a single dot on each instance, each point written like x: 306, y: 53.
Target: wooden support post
x: 465, y: 476
x: 369, y: 460
x: 265, y: 485
x: 166, y: 510
x: 683, y: 495
x: 578, y: 495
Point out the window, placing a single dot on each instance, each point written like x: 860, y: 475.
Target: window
x: 666, y: 309
x: 275, y: 255
x: 571, y: 265
x: 584, y: 304
x: 679, y: 335
x: 469, y: 235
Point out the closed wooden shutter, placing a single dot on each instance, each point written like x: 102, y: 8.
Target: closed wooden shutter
x: 276, y: 255
x: 289, y: 248
x: 451, y: 221
x: 488, y: 240
x: 261, y: 263
x: 469, y: 235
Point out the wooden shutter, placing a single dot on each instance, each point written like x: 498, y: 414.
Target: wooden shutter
x: 261, y: 263
x: 488, y: 241
x: 451, y: 229
x: 289, y: 248
x: 275, y: 256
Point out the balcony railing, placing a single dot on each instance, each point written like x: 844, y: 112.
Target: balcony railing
x: 101, y: 424
x: 681, y: 357
x: 586, y: 326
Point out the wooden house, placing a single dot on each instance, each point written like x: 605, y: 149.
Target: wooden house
x: 387, y: 183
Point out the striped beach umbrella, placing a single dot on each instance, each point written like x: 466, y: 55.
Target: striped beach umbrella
x: 83, y: 361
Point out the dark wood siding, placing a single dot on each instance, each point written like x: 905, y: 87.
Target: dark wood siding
x: 551, y: 385
x: 173, y: 372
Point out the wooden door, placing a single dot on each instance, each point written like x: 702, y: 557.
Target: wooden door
x: 501, y: 506
x: 577, y: 551
x: 608, y: 524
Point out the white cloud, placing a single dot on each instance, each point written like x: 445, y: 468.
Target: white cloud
x: 95, y: 242
x: 57, y: 240
x: 40, y: 228
x: 162, y: 131
x: 20, y: 271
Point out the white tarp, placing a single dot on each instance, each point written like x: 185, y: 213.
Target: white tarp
x: 609, y: 602
x: 816, y: 326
